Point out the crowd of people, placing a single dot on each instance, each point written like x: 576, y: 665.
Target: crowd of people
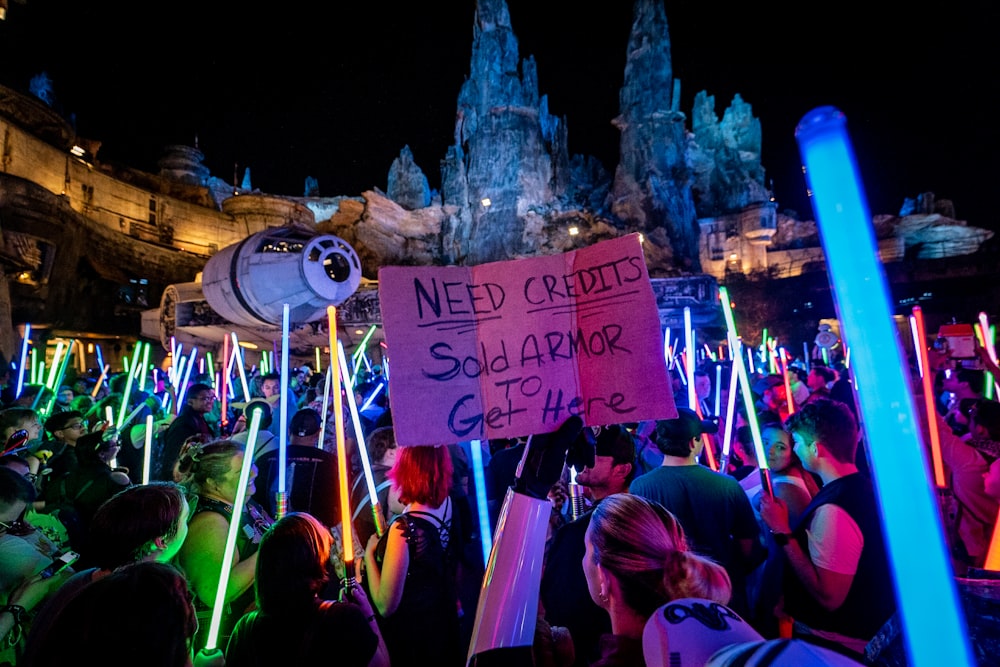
x: 662, y: 544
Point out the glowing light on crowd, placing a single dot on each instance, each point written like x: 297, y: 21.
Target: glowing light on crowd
x: 933, y: 628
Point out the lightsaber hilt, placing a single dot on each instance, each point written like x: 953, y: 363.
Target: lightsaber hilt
x: 724, y: 462
x: 765, y: 480
x: 576, y: 500
x: 281, y: 498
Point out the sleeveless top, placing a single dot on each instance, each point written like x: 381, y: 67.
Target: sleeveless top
x: 424, y: 629
x: 254, y: 521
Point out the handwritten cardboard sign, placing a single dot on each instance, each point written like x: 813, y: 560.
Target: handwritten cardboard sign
x: 512, y: 348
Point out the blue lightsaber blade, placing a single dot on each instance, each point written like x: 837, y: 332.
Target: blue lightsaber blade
x: 934, y: 626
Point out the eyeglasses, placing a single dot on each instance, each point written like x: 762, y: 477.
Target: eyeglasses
x: 75, y: 425
x: 206, y: 398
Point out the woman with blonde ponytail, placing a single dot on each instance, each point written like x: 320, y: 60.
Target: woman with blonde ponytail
x: 666, y: 603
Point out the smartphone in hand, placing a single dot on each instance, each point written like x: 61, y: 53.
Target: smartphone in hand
x: 61, y: 562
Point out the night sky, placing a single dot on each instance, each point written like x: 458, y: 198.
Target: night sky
x: 322, y: 90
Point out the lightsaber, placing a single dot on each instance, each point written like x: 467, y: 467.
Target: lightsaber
x: 788, y: 380
x: 240, y: 366
x: 345, y: 496
x: 359, y: 436
x: 372, y: 396
x: 805, y: 356
x: 187, y: 376
x: 234, y: 530
x: 326, y: 405
x: 24, y: 360
x: 930, y: 410
x: 688, y: 357
x: 100, y: 355
x: 55, y: 363
x: 100, y: 380
x: 283, y: 413
x: 60, y: 376
x: 727, y: 438
x: 709, y: 447
x: 916, y: 345
x: 224, y: 398
x: 758, y: 444
x: 147, y: 449
x: 988, y: 344
x: 479, y: 478
x: 718, y: 389
x: 934, y: 629
x: 145, y: 365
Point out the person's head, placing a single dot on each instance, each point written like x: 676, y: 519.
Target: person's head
x: 984, y: 418
x: 270, y: 384
x: 422, y: 474
x: 142, y: 522
x: 681, y: 437
x: 381, y: 444
x: 265, y: 412
x: 823, y: 422
x: 82, y: 403
x: 292, y: 563
x: 614, y: 463
x: 200, y: 398
x: 148, y: 605
x: 64, y: 395
x: 66, y: 426
x: 18, y: 418
x: 637, y: 554
x: 702, y: 384
x: 37, y: 395
x: 304, y: 427
x: 820, y: 376
x: 16, y: 493
x: 778, y: 447
x: 214, y: 469
x: 964, y: 382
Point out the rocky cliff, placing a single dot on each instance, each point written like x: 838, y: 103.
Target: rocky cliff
x: 510, y: 189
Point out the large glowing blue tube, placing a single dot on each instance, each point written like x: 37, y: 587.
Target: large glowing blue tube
x: 934, y: 627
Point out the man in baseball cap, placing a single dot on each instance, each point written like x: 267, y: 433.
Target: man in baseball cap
x: 712, y: 507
